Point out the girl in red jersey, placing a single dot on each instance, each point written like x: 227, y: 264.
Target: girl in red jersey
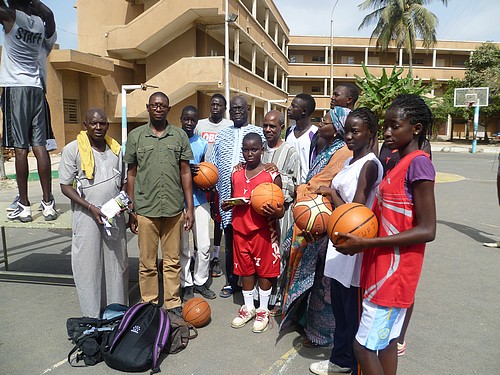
x: 255, y: 237
x: 392, y: 262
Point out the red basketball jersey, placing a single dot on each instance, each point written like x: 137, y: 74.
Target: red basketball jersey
x: 390, y: 275
x: 245, y: 218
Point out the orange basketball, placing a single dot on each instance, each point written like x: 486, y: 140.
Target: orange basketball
x: 196, y: 311
x: 207, y: 175
x: 353, y: 218
x: 264, y: 193
x: 311, y: 213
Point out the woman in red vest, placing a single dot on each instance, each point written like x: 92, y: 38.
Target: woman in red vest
x: 392, y: 262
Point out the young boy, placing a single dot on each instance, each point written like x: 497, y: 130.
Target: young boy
x: 201, y: 233
x: 256, y: 237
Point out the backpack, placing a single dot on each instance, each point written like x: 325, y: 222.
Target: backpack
x: 137, y: 342
x: 180, y: 334
x: 90, y: 334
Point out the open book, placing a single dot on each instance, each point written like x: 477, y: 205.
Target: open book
x: 237, y: 201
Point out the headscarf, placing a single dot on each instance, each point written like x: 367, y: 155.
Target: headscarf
x: 339, y: 115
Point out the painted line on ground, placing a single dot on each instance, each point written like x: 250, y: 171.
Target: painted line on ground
x: 53, y: 367
x: 281, y: 365
x: 442, y: 177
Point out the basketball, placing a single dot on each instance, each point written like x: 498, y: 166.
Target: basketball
x: 196, y: 311
x: 266, y: 192
x: 207, y: 175
x: 311, y: 213
x: 353, y: 218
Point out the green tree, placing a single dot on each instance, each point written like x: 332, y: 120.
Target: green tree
x: 401, y: 22
x: 483, y: 70
x: 377, y: 93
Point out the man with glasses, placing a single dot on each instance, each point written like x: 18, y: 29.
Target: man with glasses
x: 226, y: 154
x: 159, y: 179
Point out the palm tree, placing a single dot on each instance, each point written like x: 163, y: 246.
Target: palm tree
x: 401, y: 21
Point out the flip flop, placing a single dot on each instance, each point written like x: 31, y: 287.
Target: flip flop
x: 226, y: 291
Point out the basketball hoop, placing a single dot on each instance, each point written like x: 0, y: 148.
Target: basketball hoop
x: 471, y: 99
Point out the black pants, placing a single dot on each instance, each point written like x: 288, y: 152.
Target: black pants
x: 346, y: 306
x: 231, y: 278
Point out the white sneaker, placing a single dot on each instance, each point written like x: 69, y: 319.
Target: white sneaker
x: 21, y: 213
x: 244, y: 316
x: 48, y: 210
x: 13, y: 205
x: 492, y: 244
x: 328, y: 368
x: 261, y: 320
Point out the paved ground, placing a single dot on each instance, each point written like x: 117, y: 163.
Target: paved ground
x: 454, y: 329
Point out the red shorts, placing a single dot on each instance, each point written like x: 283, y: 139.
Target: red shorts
x: 257, y: 252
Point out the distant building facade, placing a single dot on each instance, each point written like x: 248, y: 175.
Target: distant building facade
x: 178, y: 46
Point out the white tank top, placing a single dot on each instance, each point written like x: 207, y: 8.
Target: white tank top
x: 20, y: 52
x: 344, y: 268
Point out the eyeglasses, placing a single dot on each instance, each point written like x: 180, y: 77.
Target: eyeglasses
x: 238, y: 109
x: 156, y: 106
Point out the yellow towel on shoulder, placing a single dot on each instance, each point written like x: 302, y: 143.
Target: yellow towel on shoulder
x: 86, y: 155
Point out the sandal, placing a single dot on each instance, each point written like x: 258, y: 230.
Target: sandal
x: 275, y: 311
x: 226, y: 291
x: 309, y: 344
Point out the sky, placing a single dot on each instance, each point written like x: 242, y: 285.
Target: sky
x: 471, y: 20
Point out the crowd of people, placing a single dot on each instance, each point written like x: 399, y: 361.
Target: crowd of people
x: 355, y: 297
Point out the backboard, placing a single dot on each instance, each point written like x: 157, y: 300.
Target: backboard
x: 470, y: 96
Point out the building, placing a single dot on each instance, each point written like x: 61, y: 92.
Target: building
x: 178, y: 46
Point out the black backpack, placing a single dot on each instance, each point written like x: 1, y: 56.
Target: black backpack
x: 136, y: 343
x: 90, y: 334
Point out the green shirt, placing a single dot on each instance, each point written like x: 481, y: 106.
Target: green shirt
x: 158, y: 189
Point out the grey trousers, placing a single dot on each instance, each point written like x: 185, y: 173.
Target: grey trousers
x: 99, y: 263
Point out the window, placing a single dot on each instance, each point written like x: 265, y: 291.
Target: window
x: 299, y: 59
x: 406, y: 61
x: 458, y: 62
x: 71, y: 111
x: 317, y: 89
x: 347, y: 60
x: 318, y: 59
x: 296, y: 89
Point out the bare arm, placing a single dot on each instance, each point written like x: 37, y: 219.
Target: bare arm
x: 187, y: 188
x: 7, y: 17
x: 45, y: 13
x: 131, y: 173
x: 423, y: 231
x: 73, y: 195
x: 366, y: 181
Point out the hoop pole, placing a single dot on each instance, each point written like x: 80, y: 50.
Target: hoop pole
x: 476, y: 126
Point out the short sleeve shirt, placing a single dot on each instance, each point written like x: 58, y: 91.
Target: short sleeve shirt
x: 158, y: 189
x: 199, y: 148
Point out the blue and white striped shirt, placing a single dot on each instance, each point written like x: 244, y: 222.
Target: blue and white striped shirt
x: 225, y: 155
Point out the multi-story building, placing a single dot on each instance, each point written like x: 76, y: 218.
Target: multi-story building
x: 179, y: 47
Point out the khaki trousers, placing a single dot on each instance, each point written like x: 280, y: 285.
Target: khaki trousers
x: 167, y: 231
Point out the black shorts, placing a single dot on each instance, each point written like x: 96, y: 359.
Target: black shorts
x: 24, y: 117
